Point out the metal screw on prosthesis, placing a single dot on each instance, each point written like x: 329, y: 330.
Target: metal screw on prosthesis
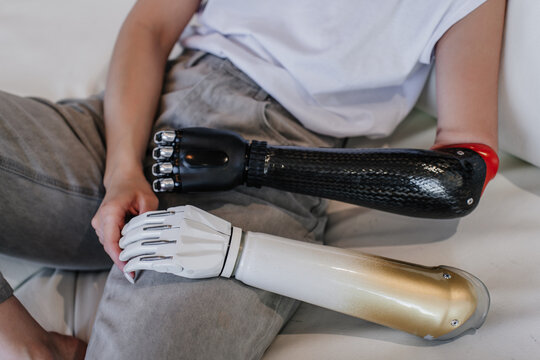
x: 475, y: 321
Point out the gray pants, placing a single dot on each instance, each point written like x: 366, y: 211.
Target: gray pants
x: 52, y: 159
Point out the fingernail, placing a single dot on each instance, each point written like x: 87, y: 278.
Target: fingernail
x: 129, y: 278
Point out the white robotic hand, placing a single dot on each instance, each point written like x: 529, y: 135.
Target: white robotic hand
x: 432, y: 302
x: 183, y: 240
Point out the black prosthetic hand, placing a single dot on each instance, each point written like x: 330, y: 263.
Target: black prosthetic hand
x: 444, y: 183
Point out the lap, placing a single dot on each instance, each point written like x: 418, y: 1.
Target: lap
x: 164, y: 316
x: 52, y: 160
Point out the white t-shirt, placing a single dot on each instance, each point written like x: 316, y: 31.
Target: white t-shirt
x: 342, y: 68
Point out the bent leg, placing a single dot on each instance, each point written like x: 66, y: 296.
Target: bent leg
x: 164, y: 316
x: 51, y: 165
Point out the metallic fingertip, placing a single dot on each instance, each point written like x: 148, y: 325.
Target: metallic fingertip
x: 161, y: 185
x: 163, y: 153
x: 164, y: 137
x: 161, y: 169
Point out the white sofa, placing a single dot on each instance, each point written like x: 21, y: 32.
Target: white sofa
x: 60, y: 49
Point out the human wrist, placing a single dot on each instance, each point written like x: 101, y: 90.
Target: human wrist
x: 120, y: 169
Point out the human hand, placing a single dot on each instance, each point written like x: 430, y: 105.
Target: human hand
x: 21, y: 337
x: 128, y: 194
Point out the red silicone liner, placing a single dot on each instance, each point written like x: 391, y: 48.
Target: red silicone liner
x: 487, y: 153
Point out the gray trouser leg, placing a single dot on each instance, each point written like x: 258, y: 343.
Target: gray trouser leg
x: 168, y: 317
x: 51, y: 165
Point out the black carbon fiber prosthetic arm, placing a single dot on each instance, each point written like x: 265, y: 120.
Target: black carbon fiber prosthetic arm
x: 445, y: 183
x: 435, y: 184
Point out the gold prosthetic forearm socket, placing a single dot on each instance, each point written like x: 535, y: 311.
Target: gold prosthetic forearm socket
x: 430, y: 302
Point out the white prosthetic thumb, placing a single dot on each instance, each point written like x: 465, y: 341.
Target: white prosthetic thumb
x: 431, y: 302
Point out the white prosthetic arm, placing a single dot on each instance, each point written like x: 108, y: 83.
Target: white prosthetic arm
x: 432, y: 302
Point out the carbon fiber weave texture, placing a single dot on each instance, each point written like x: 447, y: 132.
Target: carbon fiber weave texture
x: 422, y: 183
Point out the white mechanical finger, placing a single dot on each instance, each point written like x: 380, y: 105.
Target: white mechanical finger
x: 193, y: 259
x: 175, y: 216
x: 134, y: 250
x: 150, y: 232
x: 141, y: 233
x: 135, y: 265
x: 150, y: 217
x: 148, y: 247
x: 129, y: 278
x: 164, y: 264
x: 187, y: 229
x: 170, y: 216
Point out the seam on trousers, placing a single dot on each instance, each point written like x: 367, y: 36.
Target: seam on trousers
x: 47, y: 181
